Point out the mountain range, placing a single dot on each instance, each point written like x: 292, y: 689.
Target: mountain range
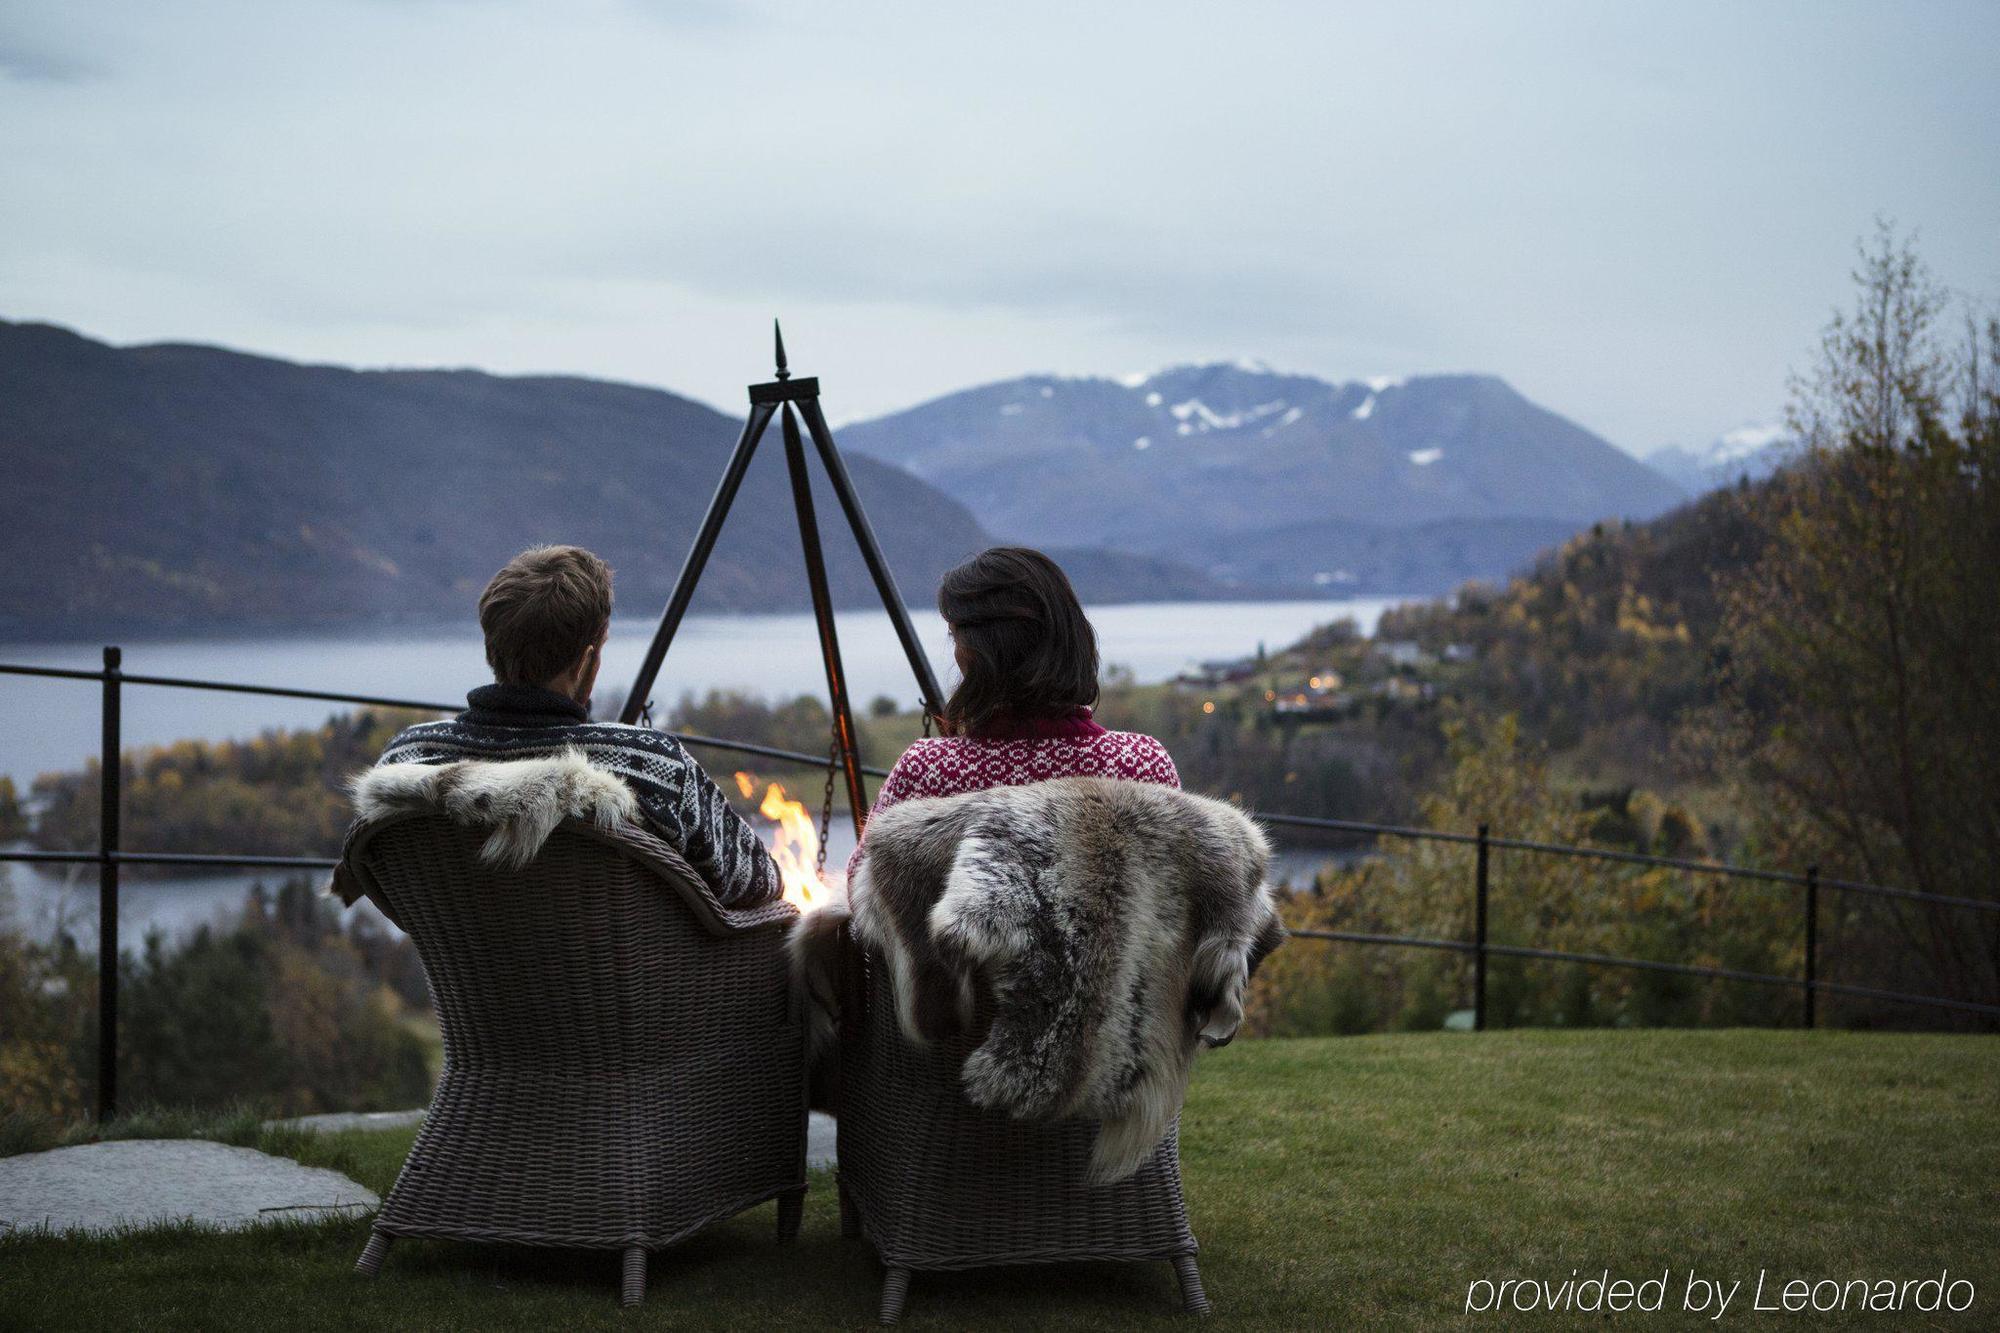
x: 172, y: 487
x: 1753, y: 450
x: 1392, y: 485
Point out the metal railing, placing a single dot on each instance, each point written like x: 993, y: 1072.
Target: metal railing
x: 110, y: 856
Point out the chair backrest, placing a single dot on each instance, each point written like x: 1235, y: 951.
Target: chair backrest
x: 591, y: 957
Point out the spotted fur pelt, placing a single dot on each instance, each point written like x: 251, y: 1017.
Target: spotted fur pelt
x: 1114, y: 926
x: 520, y: 800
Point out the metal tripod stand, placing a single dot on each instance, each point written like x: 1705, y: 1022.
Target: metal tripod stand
x: 767, y: 400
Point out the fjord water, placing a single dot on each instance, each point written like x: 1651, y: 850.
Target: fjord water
x: 53, y: 724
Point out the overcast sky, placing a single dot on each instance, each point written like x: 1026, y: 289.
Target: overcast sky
x: 1640, y: 215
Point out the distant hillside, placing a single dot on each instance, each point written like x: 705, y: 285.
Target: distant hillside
x: 1338, y: 556
x: 174, y: 487
x: 1602, y: 646
x: 1230, y: 463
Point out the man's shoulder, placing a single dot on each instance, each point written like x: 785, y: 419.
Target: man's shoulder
x: 455, y: 738
x: 642, y: 756
x: 627, y: 735
x: 417, y: 743
x: 632, y: 729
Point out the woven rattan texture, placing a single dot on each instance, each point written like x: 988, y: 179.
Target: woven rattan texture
x: 941, y: 1184
x: 618, y: 1071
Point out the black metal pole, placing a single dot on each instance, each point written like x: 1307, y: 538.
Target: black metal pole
x: 109, y: 780
x: 697, y: 558
x: 1479, y: 893
x: 871, y: 553
x: 822, y: 602
x: 1812, y: 946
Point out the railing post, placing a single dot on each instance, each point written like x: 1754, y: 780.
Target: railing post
x: 110, y: 778
x: 1479, y: 936
x: 1812, y: 946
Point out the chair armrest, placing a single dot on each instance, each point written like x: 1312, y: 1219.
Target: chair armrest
x: 351, y: 880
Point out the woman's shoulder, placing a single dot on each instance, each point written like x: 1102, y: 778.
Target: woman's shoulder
x: 927, y: 750
x: 1132, y: 740
x: 1137, y: 755
x: 927, y: 754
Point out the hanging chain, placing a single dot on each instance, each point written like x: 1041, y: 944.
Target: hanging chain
x: 826, y: 805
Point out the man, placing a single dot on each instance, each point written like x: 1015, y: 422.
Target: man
x: 546, y: 616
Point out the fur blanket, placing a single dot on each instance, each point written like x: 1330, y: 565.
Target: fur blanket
x: 1113, y: 925
x: 521, y: 800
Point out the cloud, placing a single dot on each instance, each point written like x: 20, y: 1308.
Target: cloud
x: 695, y: 14
x: 1124, y: 276
x: 1629, y: 220
x: 21, y: 62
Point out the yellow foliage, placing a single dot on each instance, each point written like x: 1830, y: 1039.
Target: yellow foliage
x: 36, y: 1077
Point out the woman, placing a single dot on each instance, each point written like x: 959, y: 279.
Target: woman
x: 1027, y: 661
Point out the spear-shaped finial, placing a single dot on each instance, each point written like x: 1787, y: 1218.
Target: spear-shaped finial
x: 779, y: 334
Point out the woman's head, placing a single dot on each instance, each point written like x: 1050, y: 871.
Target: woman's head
x: 1024, y: 647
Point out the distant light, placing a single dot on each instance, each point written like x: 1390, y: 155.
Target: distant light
x: 1208, y: 706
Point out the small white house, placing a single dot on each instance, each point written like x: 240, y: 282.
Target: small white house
x: 1401, y: 652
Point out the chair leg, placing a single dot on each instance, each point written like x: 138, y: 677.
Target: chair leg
x: 1193, y: 1299
x: 634, y: 1289
x: 895, y: 1287
x: 791, y: 1211
x: 850, y: 1216
x: 370, y: 1262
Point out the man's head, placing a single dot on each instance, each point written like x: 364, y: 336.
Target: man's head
x: 546, y: 616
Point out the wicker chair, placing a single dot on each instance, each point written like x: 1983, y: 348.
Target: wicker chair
x: 623, y: 1063
x: 935, y: 1183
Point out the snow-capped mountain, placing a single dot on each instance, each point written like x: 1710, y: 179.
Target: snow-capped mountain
x: 1753, y: 450
x: 255, y: 493
x: 1213, y: 458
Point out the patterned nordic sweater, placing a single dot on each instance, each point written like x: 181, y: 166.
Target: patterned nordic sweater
x: 678, y: 800
x: 1016, y: 753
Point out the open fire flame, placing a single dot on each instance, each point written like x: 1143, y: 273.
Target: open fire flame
x: 794, y: 841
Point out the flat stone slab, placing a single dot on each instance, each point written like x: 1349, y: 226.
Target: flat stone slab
x: 820, y: 1140
x: 143, y: 1182
x: 334, y: 1121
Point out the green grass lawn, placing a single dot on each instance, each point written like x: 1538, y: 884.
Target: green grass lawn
x: 1350, y: 1182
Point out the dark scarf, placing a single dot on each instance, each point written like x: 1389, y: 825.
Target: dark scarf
x: 521, y: 706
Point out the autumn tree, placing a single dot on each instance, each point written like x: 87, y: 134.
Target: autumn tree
x: 1419, y: 888
x: 13, y: 819
x: 1861, y: 642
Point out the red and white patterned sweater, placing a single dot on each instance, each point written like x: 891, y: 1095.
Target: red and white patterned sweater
x: 1072, y: 747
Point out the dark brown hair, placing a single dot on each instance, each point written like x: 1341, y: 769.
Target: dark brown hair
x: 542, y: 610
x: 1029, y: 650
